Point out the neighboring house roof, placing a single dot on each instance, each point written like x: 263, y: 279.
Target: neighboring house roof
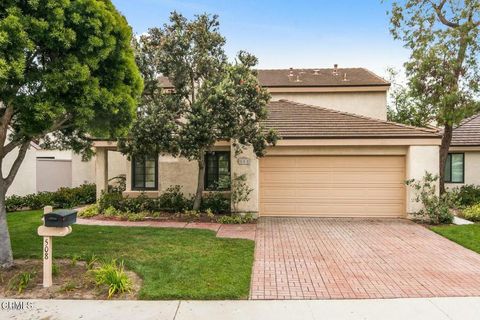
x: 296, y: 120
x: 467, y: 133
x: 339, y: 77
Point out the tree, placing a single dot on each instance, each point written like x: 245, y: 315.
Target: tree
x: 443, y: 71
x: 67, y: 72
x: 404, y: 108
x: 212, y: 99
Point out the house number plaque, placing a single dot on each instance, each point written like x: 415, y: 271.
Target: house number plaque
x: 243, y: 161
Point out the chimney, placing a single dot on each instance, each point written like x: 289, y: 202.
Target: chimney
x: 335, y: 69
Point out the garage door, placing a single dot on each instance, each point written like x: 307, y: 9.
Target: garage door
x: 332, y: 186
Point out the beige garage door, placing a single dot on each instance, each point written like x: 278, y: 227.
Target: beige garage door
x: 332, y: 186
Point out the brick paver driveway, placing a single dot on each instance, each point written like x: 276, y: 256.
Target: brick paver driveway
x: 328, y: 258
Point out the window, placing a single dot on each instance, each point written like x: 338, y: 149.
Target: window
x: 455, y: 168
x: 144, y: 173
x: 217, y: 166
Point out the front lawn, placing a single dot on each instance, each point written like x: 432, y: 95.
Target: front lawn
x: 173, y: 263
x: 467, y: 235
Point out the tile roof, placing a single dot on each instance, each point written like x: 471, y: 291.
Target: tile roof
x: 468, y: 132
x: 296, y: 120
x: 344, y: 77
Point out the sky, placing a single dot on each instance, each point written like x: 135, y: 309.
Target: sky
x: 293, y: 33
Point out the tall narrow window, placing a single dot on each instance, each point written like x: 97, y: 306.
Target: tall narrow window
x: 455, y: 168
x: 217, y: 167
x: 144, y: 173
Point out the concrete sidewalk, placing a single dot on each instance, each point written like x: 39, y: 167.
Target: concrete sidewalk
x: 391, y: 309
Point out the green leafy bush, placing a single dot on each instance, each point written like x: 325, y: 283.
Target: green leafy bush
x: 217, y: 202
x: 14, y: 203
x: 112, y: 276
x: 173, y: 200
x: 62, y: 198
x: 468, y: 195
x: 436, y: 209
x: 237, y: 219
x: 90, y: 211
x: 472, y: 213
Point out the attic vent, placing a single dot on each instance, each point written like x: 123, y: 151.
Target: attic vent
x: 316, y: 72
x: 298, y: 79
x: 345, y: 77
x: 335, y: 69
x: 290, y: 74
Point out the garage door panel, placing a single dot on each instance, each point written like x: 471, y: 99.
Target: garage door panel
x: 332, y: 185
x: 386, y: 193
x: 322, y: 177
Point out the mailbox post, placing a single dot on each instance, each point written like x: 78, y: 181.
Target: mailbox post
x: 55, y: 224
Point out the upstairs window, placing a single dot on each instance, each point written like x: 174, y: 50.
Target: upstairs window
x: 144, y: 173
x: 455, y: 168
x: 217, y: 167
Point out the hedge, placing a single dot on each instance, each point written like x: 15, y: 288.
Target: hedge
x: 62, y: 198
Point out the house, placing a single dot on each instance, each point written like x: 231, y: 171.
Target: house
x: 338, y: 156
x: 463, y: 162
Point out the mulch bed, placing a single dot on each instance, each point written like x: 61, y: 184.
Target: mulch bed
x: 73, y: 281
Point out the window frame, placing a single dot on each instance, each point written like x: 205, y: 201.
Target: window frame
x: 216, y: 153
x: 135, y: 188
x: 451, y: 167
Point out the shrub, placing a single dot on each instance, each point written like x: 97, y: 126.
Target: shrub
x: 108, y: 200
x: 14, y: 203
x: 472, y: 213
x: 90, y: 211
x: 435, y: 208
x: 173, y: 200
x: 240, y: 191
x: 112, y: 212
x: 113, y: 276
x: 468, y: 195
x: 217, y: 202
x: 237, y: 219
x: 62, y: 198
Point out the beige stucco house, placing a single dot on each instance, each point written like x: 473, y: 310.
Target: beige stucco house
x: 338, y: 156
x: 463, y: 162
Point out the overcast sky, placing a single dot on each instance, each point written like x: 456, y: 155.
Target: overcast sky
x: 283, y: 34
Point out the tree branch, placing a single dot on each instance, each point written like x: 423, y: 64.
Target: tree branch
x: 16, y: 164
x: 438, y: 9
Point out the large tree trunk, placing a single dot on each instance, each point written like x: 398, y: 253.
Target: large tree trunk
x: 200, y: 182
x: 444, y: 147
x: 6, y: 257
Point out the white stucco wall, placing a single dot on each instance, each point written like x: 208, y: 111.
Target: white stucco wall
x: 420, y: 159
x: 248, y: 165
x: 370, y: 104
x: 84, y: 171
x: 25, y: 181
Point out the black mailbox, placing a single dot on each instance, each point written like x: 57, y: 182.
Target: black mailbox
x: 60, y: 218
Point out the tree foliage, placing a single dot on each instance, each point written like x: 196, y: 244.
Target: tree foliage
x: 67, y: 72
x: 443, y: 70
x: 211, y: 99
x: 404, y: 108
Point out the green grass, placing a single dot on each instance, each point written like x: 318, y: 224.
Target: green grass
x: 467, y: 235
x: 173, y: 263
